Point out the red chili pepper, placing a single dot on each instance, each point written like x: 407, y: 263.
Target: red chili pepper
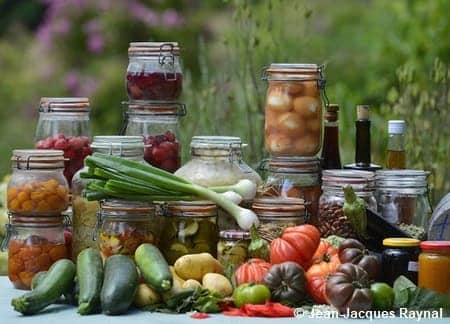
x: 199, y: 315
x: 269, y: 309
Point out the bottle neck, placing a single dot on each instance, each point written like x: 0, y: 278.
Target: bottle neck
x: 362, y: 152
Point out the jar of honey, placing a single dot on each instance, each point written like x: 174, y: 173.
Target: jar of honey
x: 434, y: 266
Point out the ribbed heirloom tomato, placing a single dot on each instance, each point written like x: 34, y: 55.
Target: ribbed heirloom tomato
x: 296, y: 244
x: 253, y: 271
x: 325, y: 252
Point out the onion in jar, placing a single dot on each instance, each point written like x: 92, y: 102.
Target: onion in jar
x: 307, y: 107
x: 279, y: 100
x: 292, y: 124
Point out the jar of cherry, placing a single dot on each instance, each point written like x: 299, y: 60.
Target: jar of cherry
x: 64, y: 125
x: 158, y: 124
x: 154, y: 71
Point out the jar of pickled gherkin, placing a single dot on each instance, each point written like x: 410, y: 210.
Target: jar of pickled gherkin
x: 190, y: 227
x: 124, y: 225
x: 232, y: 249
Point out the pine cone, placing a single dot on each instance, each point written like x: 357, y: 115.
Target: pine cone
x: 332, y: 221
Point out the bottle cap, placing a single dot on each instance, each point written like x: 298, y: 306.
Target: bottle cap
x: 396, y: 126
x: 363, y: 112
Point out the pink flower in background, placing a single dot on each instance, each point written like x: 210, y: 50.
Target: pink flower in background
x: 61, y: 27
x: 171, y: 18
x: 143, y: 13
x: 80, y: 85
x: 95, y: 43
x: 72, y: 81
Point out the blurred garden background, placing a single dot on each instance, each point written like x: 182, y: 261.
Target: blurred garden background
x: 393, y: 55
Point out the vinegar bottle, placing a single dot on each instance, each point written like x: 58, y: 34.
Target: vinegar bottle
x: 330, y: 152
x: 396, y: 155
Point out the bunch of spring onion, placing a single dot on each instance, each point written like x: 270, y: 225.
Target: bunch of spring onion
x: 115, y: 177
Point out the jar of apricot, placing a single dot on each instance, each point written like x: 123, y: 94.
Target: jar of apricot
x: 37, y: 186
x: 434, y: 266
x: 34, y: 244
x: 293, y: 111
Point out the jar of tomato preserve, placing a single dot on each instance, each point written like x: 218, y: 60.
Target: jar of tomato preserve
x: 64, y: 125
x: 124, y: 225
x: 85, y: 211
x: 190, y: 227
x: 37, y: 186
x: 293, y: 110
x: 158, y: 124
x: 154, y: 71
x: 434, y: 265
x: 294, y: 177
x: 34, y: 244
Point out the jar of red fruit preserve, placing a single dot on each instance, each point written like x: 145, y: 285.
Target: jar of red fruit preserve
x: 64, y: 125
x: 158, y: 123
x: 154, y: 71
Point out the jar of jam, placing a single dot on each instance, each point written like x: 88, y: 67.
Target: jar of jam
x: 276, y: 214
x: 34, y: 244
x: 331, y: 220
x: 190, y: 227
x: 399, y: 258
x: 124, y: 225
x: 294, y: 177
x: 64, y: 125
x: 402, y: 197
x: 232, y: 250
x: 293, y: 110
x: 84, y: 211
x: 434, y: 265
x: 158, y: 124
x: 37, y: 186
x: 154, y: 71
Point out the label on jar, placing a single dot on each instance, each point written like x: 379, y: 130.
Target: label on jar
x: 413, y: 266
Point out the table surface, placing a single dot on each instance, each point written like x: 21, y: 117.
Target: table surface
x: 67, y: 314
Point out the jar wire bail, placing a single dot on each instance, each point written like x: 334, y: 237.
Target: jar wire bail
x: 6, y: 239
x: 167, y: 60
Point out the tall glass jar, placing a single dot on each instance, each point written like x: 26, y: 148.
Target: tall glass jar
x: 331, y: 220
x: 34, y: 244
x: 402, y: 197
x: 190, y: 227
x: 84, y: 216
x: 218, y: 161
x: 124, y: 225
x: 158, y: 123
x: 37, y: 186
x: 293, y: 110
x: 154, y: 71
x: 64, y: 125
x: 294, y: 177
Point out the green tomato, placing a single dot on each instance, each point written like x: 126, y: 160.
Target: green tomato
x: 382, y: 295
x: 250, y: 293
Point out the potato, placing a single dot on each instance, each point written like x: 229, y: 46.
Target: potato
x: 307, y: 107
x: 145, y: 296
x: 278, y: 100
x: 279, y: 144
x: 217, y: 283
x: 308, y: 144
x: 195, y: 266
x: 177, y: 285
x: 191, y: 283
x: 292, y: 124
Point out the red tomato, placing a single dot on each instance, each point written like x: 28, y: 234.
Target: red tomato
x: 253, y: 270
x: 316, y: 278
x: 282, y: 251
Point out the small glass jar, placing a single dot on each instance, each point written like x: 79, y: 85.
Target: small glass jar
x: 399, y: 258
x: 64, y: 125
x: 434, y: 265
x: 402, y: 197
x: 34, y: 244
x: 294, y: 177
x: 331, y: 220
x: 190, y: 227
x: 293, y: 113
x: 37, y: 186
x: 124, y: 225
x: 158, y: 124
x: 154, y: 71
x: 276, y: 214
x: 232, y: 250
x: 84, y: 211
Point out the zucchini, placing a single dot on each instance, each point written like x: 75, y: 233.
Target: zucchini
x: 154, y: 267
x: 120, y: 283
x: 69, y: 297
x: 58, y: 279
x: 37, y: 279
x: 90, y: 278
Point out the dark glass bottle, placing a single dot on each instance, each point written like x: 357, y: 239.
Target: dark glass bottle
x: 363, y: 150
x: 331, y: 158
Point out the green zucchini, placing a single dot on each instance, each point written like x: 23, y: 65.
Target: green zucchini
x: 120, y: 283
x: 90, y: 279
x: 154, y: 267
x: 69, y: 297
x: 58, y: 279
x: 37, y: 279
